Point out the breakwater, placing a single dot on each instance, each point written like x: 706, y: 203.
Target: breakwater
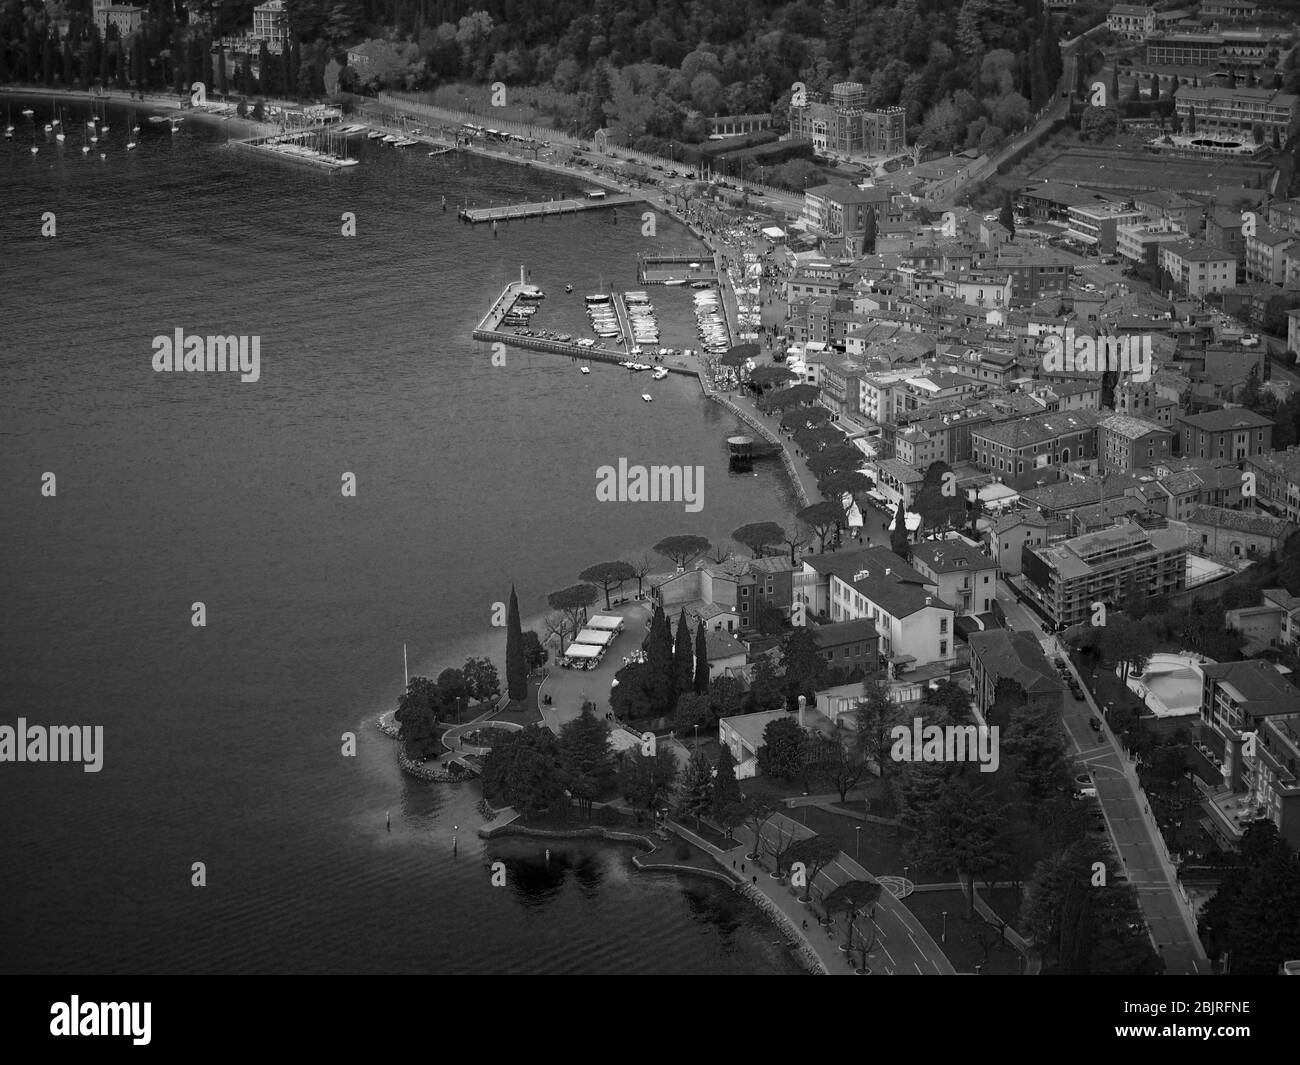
x: 542, y: 209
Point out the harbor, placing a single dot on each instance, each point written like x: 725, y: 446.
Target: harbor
x: 675, y: 269
x: 511, y: 212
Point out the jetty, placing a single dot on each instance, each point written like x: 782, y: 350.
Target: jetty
x: 292, y: 145
x: 509, y: 212
x: 668, y: 269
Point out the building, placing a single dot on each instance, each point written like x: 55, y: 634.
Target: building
x: 1029, y: 451
x: 843, y: 124
x: 1234, y: 113
x: 1252, y: 699
x: 1234, y: 535
x: 1223, y: 231
x: 1230, y: 10
x: 1009, y: 534
x: 1134, y: 242
x: 271, y: 24
x: 1198, y: 269
x: 1096, y: 224
x: 1266, y: 254
x: 1277, y: 481
x: 738, y: 125
x: 1003, y: 654
x: 1275, y: 622
x: 744, y: 735
x: 1104, y: 567
x: 724, y: 653
x: 1184, y: 50
x: 849, y: 645
x: 128, y: 18
x: 914, y: 624
x: 1124, y: 441
x: 844, y: 210
x: 1134, y: 22
x: 1142, y: 400
x: 965, y: 576
x: 1233, y: 433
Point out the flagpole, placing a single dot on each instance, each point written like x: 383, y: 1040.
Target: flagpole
x: 405, y: 672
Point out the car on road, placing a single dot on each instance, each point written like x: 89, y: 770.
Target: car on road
x: 1095, y: 725
x: 1058, y: 662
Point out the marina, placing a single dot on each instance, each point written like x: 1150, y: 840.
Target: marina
x: 675, y: 270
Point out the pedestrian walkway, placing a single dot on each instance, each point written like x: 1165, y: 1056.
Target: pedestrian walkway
x: 902, y: 946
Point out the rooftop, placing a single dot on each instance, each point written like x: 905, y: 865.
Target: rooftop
x: 1217, y: 421
x: 949, y: 556
x: 1244, y: 521
x: 1129, y: 427
x: 1016, y: 656
x: 900, y: 592
x: 1257, y: 686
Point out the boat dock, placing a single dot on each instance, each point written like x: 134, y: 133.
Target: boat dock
x: 474, y: 215
x: 489, y: 331
x: 289, y: 145
x: 663, y: 269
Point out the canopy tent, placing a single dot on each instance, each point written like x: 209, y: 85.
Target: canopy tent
x: 605, y: 623
x: 583, y: 650
x: 594, y: 637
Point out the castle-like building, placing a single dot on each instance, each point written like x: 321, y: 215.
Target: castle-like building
x: 844, y: 125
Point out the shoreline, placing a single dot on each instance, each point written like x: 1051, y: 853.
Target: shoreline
x: 155, y: 104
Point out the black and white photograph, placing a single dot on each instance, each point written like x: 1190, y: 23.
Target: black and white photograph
x: 650, y: 488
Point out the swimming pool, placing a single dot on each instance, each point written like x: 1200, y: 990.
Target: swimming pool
x: 1171, y: 685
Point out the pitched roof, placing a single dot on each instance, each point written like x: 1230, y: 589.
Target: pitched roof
x: 1216, y: 421
x: 841, y: 632
x: 1036, y: 429
x: 950, y: 556
x: 1131, y: 428
x: 1244, y: 521
x: 1257, y: 686
x: 900, y: 592
x: 1016, y: 656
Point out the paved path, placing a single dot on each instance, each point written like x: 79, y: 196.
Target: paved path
x: 568, y: 687
x: 903, y: 946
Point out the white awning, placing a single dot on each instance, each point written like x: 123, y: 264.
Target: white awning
x: 595, y: 637
x: 606, y: 623
x: 583, y: 650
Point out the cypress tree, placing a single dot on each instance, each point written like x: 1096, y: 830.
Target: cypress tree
x: 516, y: 669
x: 683, y: 656
x: 661, y: 679
x: 898, y: 537
x: 726, y: 789
x: 701, y: 661
x: 697, y: 787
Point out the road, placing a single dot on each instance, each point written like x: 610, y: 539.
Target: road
x: 1132, y: 831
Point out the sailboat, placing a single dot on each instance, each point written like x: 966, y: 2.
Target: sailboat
x: 130, y: 140
x: 28, y: 112
x: 9, y: 126
x: 59, y: 136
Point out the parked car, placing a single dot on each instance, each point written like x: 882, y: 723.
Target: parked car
x: 1095, y: 725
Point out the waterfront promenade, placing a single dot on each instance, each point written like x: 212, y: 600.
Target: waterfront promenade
x: 902, y: 945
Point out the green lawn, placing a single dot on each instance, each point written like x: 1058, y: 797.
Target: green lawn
x: 969, y: 942
x: 883, y: 848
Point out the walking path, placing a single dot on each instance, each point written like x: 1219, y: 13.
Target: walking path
x: 902, y: 945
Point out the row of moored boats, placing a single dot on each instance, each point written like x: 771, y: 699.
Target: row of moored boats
x: 711, y: 322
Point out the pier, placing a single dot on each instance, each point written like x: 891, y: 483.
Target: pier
x: 509, y: 212
x: 662, y: 269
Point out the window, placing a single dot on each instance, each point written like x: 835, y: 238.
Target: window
x: 943, y: 625
x: 943, y: 647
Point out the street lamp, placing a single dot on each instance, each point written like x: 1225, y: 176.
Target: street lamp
x: 857, y: 841
x: 697, y: 735
x: 943, y: 936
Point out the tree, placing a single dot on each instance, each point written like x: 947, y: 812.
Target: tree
x: 832, y: 762
x: 700, y: 681
x: 939, y: 502
x: 816, y: 852
x: 726, y: 789
x: 696, y: 792
x: 1253, y: 915
x: 585, y: 757
x: 1007, y: 216
x: 684, y: 655
x: 573, y: 602
x: 784, y: 751
x: 852, y: 898
x: 876, y: 716
x: 822, y: 518
x: 682, y: 549
x: 898, y: 539
x: 726, y: 697
x: 794, y: 540
x: 608, y: 575
x: 766, y: 691
x: 758, y: 812
x: 645, y: 780
x: 523, y: 771
x: 535, y: 655
x: 803, y: 666
x: 417, y: 718
x: 454, y: 690
x: 661, y: 672
x: 631, y: 698
x: 691, y: 711
x: 960, y: 830
x: 1033, y: 750
x: 759, y: 536
x: 516, y: 659
x: 482, y: 682
x: 641, y: 567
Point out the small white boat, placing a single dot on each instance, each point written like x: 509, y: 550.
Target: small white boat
x: 374, y: 135
x: 49, y: 128
x: 103, y: 129
x: 647, y: 397
x: 94, y: 140
x: 130, y: 145
x: 390, y: 138
x: 60, y: 137
x: 28, y: 112
x: 152, y: 118
x: 35, y: 149
x: 85, y: 149
x: 586, y: 369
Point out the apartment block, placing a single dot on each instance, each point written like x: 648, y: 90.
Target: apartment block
x: 1232, y: 433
